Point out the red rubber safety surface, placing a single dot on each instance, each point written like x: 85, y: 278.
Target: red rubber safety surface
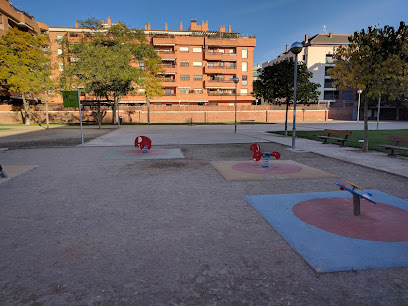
x: 138, y: 152
x: 256, y: 168
x: 377, y: 222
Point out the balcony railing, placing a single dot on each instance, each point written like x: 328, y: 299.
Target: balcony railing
x: 220, y: 53
x: 220, y: 81
x: 165, y: 52
x: 222, y: 67
x: 167, y: 66
x: 169, y: 80
x: 169, y: 94
x: 220, y: 94
x: 329, y: 60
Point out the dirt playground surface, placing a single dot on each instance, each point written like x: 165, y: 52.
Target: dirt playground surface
x: 81, y: 229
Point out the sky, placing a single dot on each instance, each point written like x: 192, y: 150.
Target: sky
x: 275, y: 23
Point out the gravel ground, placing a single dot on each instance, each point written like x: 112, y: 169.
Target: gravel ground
x: 83, y: 230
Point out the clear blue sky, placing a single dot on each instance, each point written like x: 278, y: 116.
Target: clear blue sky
x: 274, y: 22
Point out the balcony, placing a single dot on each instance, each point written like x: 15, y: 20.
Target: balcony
x: 219, y: 56
x: 220, y: 69
x: 168, y: 68
x: 165, y: 52
x: 219, y: 83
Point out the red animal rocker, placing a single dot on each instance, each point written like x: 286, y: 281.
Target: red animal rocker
x: 144, y: 143
x: 266, y: 155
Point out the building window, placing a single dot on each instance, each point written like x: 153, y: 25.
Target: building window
x: 244, y: 53
x: 198, y: 78
x: 221, y: 50
x: 197, y: 64
x: 244, y: 91
x: 244, y: 66
x: 1, y: 22
x: 168, y: 91
x: 347, y: 95
x: 59, y: 38
x: 328, y: 83
x: 329, y: 59
x: 61, y: 67
x: 141, y: 65
x: 197, y: 49
x: 331, y: 95
x: 59, y: 51
x: 184, y: 64
x: 184, y: 90
x: 244, y: 80
x: 326, y: 73
x: 198, y: 90
x: 183, y: 49
x: 184, y: 77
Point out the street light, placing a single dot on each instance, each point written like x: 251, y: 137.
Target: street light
x: 236, y: 80
x: 358, y: 105
x: 296, y: 48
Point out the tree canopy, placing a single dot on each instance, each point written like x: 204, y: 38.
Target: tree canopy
x: 375, y: 61
x: 276, y: 84
x: 24, y: 64
x: 110, y: 63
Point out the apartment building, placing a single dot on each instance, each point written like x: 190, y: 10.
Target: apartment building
x: 12, y: 17
x: 317, y: 54
x: 199, y: 64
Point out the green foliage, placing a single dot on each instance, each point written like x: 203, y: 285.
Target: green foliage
x: 277, y: 82
x: 24, y: 64
x: 377, y: 137
x: 105, y: 63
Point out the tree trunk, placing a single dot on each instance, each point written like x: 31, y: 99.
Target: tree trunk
x: 114, y: 105
x: 99, y: 114
x: 47, y: 117
x: 286, y: 117
x: 26, y: 110
x: 148, y: 110
x: 397, y: 116
x: 365, y: 144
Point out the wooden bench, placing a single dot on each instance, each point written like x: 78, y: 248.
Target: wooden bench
x: 396, y: 146
x: 336, y: 132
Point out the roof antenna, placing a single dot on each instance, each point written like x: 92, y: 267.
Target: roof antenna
x: 324, y: 29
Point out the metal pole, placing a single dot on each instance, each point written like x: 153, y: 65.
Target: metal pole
x: 294, y: 106
x: 118, y: 115
x: 80, y: 119
x: 358, y: 107
x: 47, y: 118
x: 235, y: 107
x: 378, y: 111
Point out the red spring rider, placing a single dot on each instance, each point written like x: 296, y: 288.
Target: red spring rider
x: 266, y: 155
x: 144, y: 143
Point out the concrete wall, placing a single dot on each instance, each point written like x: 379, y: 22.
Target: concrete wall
x: 174, y: 114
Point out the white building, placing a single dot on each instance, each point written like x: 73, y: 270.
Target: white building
x: 317, y: 54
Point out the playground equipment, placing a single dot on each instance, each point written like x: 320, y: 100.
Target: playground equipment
x: 265, y: 155
x: 356, y: 196
x: 144, y: 143
x: 2, y: 173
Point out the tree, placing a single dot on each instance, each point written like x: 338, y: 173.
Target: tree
x: 277, y: 82
x: 24, y: 65
x: 108, y: 63
x: 374, y: 63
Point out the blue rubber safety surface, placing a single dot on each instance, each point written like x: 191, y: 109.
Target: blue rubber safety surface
x: 325, y: 251
x: 167, y: 154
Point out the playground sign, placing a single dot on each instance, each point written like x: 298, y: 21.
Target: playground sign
x: 71, y: 99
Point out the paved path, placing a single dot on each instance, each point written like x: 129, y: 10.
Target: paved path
x: 217, y: 134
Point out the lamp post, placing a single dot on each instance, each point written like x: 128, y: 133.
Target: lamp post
x: 358, y: 105
x: 296, y: 48
x: 236, y: 80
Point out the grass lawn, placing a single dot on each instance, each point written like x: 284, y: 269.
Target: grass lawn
x: 375, y: 138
